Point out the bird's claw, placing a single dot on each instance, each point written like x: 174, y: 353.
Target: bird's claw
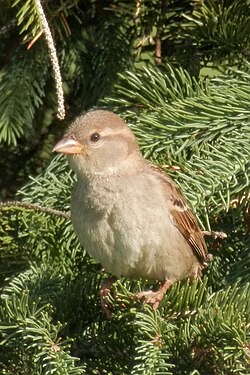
x: 152, y: 298
x: 104, y: 294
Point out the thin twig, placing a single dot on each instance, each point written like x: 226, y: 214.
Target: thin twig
x: 54, y: 61
x: 158, y: 48
x: 36, y: 207
x: 214, y: 235
x: 137, y: 11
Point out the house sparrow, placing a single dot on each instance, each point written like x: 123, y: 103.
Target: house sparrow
x: 126, y: 212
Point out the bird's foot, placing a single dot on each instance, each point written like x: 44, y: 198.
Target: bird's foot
x: 104, y: 294
x: 154, y: 298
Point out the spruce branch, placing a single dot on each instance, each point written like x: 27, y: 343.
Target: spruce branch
x: 202, y: 127
x: 26, y: 18
x: 26, y: 315
x: 24, y: 78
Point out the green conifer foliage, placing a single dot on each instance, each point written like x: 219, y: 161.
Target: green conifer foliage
x: 178, y: 73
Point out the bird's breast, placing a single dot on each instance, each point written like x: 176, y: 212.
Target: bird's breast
x: 129, y: 230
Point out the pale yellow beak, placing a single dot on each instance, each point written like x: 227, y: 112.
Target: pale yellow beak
x: 68, y: 145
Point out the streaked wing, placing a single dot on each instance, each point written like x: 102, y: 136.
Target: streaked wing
x: 182, y: 215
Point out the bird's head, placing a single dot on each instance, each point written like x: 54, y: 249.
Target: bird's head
x: 99, y: 143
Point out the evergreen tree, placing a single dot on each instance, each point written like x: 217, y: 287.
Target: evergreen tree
x: 178, y: 73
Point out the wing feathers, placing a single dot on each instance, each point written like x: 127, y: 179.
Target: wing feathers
x: 183, y: 217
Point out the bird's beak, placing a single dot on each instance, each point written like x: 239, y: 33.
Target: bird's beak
x: 68, y: 145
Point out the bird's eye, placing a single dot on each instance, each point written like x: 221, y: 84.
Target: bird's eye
x: 95, y: 137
